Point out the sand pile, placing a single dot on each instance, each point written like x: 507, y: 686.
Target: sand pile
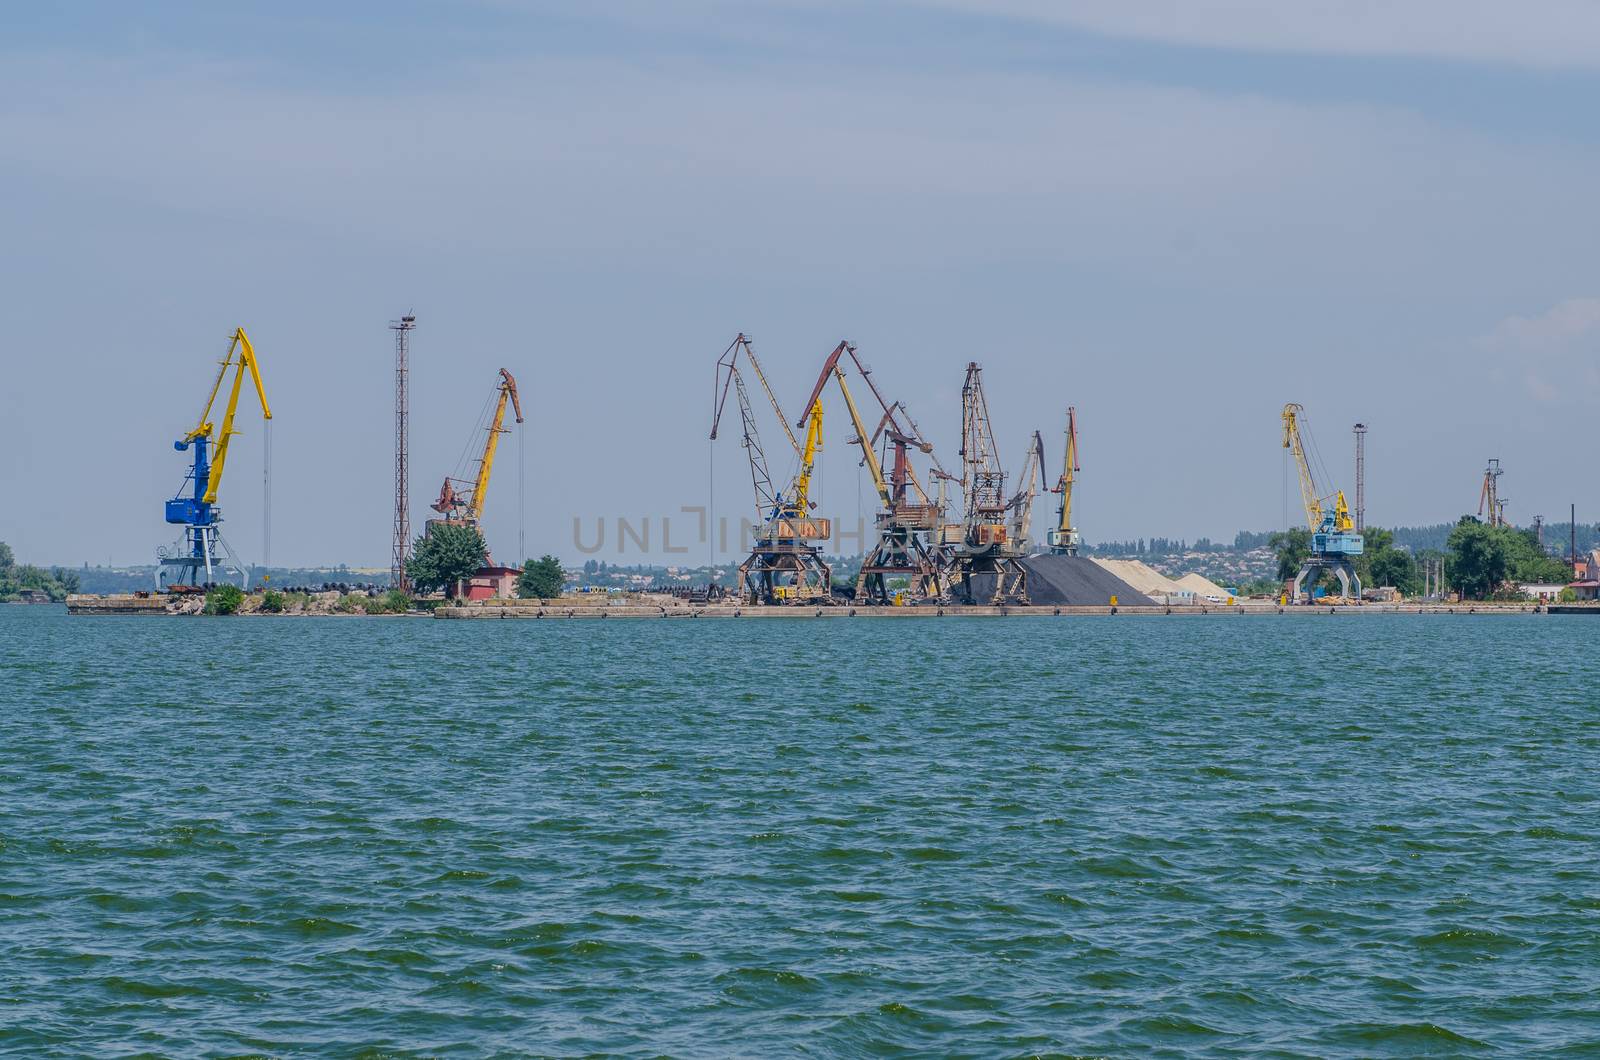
x: 1202, y: 587
x: 1143, y: 577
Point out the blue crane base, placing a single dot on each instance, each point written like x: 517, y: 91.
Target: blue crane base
x: 1337, y: 562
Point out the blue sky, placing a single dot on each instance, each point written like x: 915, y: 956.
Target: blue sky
x: 1174, y: 216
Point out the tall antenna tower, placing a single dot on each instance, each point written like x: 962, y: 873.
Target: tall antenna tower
x: 1361, y: 477
x: 402, y: 329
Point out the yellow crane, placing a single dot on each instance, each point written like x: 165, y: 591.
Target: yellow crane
x: 1338, y: 515
x: 1333, y: 536
x: 1022, y: 501
x: 784, y: 564
x: 868, y: 456
x: 246, y: 361
x: 808, y: 459
x: 467, y: 507
x: 899, y: 551
x: 202, y: 552
x: 1064, y: 539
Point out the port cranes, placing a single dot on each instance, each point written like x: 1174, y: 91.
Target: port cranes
x: 783, y: 565
x: 986, y: 547
x: 203, y: 553
x: 1333, y: 537
x: 1490, y: 502
x: 1064, y: 539
x: 1022, y: 501
x: 907, y: 513
x: 464, y: 507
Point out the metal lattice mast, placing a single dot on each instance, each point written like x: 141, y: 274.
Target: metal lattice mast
x: 402, y: 450
x: 1361, y: 477
x: 985, y: 483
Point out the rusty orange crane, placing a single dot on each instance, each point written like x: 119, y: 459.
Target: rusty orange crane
x: 465, y: 506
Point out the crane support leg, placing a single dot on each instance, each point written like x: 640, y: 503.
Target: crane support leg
x: 1311, y: 570
x: 1010, y: 580
x: 899, y: 553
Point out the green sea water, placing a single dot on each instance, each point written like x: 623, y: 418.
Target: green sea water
x: 1308, y: 835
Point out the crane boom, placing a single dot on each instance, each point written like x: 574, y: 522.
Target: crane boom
x: 868, y: 456
x: 1292, y: 441
x: 1317, y: 513
x: 1022, y: 501
x: 726, y: 366
x: 808, y: 458
x: 766, y: 500
x: 1069, y: 472
x: 480, y: 488
x: 247, y: 360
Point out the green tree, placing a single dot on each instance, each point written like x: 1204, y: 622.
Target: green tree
x: 7, y: 558
x: 224, y: 600
x: 1380, y: 563
x: 1393, y: 567
x: 445, y: 557
x: 541, y: 578
x: 1475, y: 561
x: 1292, y: 547
x: 272, y: 602
x: 1529, y: 562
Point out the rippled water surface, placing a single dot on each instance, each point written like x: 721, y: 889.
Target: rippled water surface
x: 306, y: 837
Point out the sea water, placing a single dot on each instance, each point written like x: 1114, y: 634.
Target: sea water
x: 1329, y: 835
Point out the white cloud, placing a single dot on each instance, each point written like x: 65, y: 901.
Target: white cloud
x: 1558, y: 327
x: 1535, y: 33
x: 1555, y: 354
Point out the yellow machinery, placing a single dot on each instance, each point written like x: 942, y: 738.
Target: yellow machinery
x: 784, y: 564
x: 1064, y: 539
x: 900, y: 551
x: 203, y: 553
x: 1333, y: 536
x: 466, y: 508
x: 1337, y: 516
x: 1022, y: 500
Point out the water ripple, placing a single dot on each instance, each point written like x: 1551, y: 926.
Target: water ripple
x: 1073, y: 837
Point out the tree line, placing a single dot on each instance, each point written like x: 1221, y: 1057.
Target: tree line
x: 56, y: 583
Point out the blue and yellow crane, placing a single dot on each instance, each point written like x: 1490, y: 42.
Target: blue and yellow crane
x: 198, y: 559
x: 1333, y: 532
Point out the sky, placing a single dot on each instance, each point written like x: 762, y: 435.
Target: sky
x: 1174, y: 216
